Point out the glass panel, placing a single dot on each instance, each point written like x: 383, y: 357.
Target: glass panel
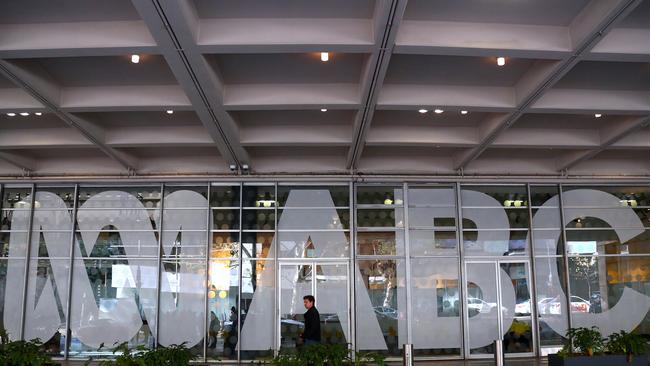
x: 119, y: 197
x: 313, y: 219
x: 259, y: 196
x: 224, y: 196
x: 229, y: 219
x: 113, y: 301
x: 223, y: 295
x: 314, y: 244
x: 607, y: 196
x: 47, y: 299
x: 257, y: 304
x: 380, y: 243
x: 495, y: 243
x: 262, y: 219
x: 257, y: 245
x: 16, y: 197
x: 390, y: 217
x: 624, y: 218
x: 225, y: 245
x: 551, y: 304
x: 587, y: 242
x: 332, y: 300
x: 116, y: 244
x: 516, y: 315
x: 542, y: 195
x: 314, y: 196
x: 381, y: 308
x: 430, y: 242
x: 494, y: 196
x: 435, y: 302
x: 58, y: 197
x: 616, y: 288
x: 428, y: 218
x: 13, y: 238
x: 296, y: 281
x: 483, y: 322
x: 442, y: 197
x: 378, y: 195
x: 186, y: 196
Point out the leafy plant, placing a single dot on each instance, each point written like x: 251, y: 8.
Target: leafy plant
x: 327, y: 355
x: 626, y: 343
x: 174, y: 355
x: 583, y: 341
x: 22, y: 353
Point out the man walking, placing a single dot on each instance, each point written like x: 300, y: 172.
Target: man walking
x: 311, y: 335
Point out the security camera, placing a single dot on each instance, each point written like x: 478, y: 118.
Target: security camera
x: 244, y: 167
x: 233, y: 167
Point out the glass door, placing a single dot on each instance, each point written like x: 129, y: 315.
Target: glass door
x: 328, y: 283
x: 498, y: 306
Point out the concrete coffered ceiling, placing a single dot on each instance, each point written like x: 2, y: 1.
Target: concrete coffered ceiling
x: 247, y: 87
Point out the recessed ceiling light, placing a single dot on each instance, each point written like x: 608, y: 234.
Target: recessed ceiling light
x: 423, y: 111
x: 598, y: 115
x: 170, y: 111
x: 11, y: 114
x: 437, y: 111
x: 24, y: 114
x: 501, y: 61
x: 135, y: 58
x: 324, y: 56
x: 323, y: 109
x: 464, y: 112
x: 38, y: 113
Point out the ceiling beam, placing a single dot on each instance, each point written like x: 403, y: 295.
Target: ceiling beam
x: 596, y: 19
x: 26, y: 164
x: 609, y: 135
x: 174, y: 25
x: 37, y: 83
x: 386, y: 20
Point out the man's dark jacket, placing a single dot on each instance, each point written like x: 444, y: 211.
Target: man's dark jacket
x: 312, y: 324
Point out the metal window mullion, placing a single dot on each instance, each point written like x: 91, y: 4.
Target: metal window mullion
x: 159, y: 271
x: 276, y: 282
x: 68, y: 331
x: 352, y: 268
x: 465, y: 349
x: 565, y: 257
x: 407, y: 256
x: 208, y: 243
x: 27, y: 259
x: 240, y: 278
x: 533, y: 290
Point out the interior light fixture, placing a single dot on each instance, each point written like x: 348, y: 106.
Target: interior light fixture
x: 11, y: 114
x: 437, y: 111
x: 323, y: 109
x: 38, y: 113
x: 463, y: 112
x: 423, y: 111
x: 170, y: 111
x: 598, y: 115
x: 24, y: 114
x: 135, y: 58
x: 501, y: 61
x: 324, y: 56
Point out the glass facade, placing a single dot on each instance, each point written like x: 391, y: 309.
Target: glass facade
x: 223, y: 267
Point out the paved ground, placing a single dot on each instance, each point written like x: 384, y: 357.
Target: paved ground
x: 520, y: 362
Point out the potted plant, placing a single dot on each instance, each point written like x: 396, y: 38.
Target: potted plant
x: 587, y: 347
x: 628, y: 344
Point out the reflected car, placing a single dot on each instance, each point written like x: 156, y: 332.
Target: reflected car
x: 523, y: 308
x: 386, y: 311
x: 553, y: 305
x: 480, y: 305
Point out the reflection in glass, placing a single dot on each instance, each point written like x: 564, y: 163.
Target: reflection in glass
x: 495, y: 243
x: 47, y: 299
x: 257, y: 304
x: 225, y: 219
x: 113, y: 301
x: 433, y: 242
x: 224, y: 196
x: 257, y: 244
x: 381, y: 308
x: 380, y: 195
x: 223, y: 312
x: 552, y: 312
x: 259, y: 196
x: 435, y: 303
x: 380, y: 243
x: 260, y: 219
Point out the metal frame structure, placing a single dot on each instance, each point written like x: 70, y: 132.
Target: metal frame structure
x: 350, y: 262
